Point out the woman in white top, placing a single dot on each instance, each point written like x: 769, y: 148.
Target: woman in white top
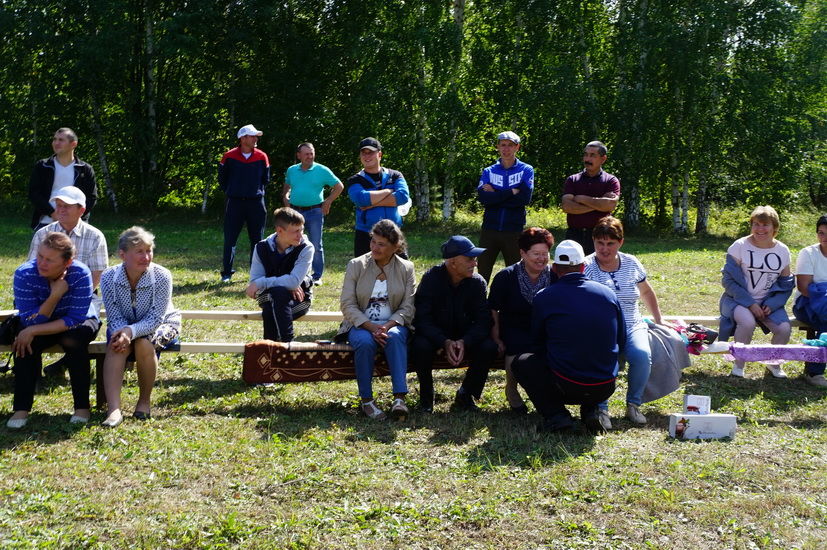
x: 757, y: 284
x: 811, y: 295
x: 141, y: 320
x: 626, y: 276
x: 377, y: 302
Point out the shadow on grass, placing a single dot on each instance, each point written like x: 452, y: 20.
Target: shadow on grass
x: 516, y: 442
x: 188, y: 390
x: 782, y: 395
x: 44, y: 429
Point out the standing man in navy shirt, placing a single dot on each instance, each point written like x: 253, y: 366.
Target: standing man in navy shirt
x: 504, y: 190
x: 243, y: 173
x: 589, y: 196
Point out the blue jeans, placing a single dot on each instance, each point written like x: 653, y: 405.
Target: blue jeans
x: 313, y: 225
x: 638, y: 356
x: 364, y: 356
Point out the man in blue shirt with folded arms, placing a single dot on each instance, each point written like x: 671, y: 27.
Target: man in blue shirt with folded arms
x: 578, y: 332
x: 377, y: 192
x: 504, y: 190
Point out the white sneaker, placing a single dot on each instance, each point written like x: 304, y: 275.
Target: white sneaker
x: 776, y: 371
x: 372, y: 411
x: 633, y: 413
x: 78, y: 419
x: 17, y: 423
x: 737, y: 372
x: 816, y: 380
x: 399, y: 411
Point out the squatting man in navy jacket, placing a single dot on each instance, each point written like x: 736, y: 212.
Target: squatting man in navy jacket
x: 577, y: 331
x: 452, y: 313
x: 504, y: 190
x: 243, y: 173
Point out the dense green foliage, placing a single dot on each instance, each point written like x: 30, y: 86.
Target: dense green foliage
x: 700, y: 102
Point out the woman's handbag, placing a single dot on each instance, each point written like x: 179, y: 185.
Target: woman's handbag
x: 9, y: 329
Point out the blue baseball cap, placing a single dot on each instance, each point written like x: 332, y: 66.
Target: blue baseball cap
x: 460, y: 246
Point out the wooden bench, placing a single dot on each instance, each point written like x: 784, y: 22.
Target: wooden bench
x: 97, y: 349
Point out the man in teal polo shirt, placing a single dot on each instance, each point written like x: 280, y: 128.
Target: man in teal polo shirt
x: 304, y: 185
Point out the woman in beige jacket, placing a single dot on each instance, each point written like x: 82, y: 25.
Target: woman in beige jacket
x: 377, y: 302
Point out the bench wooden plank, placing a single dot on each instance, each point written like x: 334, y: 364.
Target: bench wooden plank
x: 231, y: 315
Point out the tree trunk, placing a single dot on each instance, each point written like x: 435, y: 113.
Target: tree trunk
x: 421, y: 184
x: 150, y: 98
x: 587, y: 74
x: 702, y: 221
x: 458, y: 12
x: 109, y: 188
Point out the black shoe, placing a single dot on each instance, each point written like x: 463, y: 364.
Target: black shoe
x: 465, y: 402
x: 558, y: 423
x: 140, y: 415
x: 597, y: 422
x: 426, y: 402
x: 521, y: 410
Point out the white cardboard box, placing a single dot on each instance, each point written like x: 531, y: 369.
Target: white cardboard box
x: 697, y: 404
x: 701, y: 426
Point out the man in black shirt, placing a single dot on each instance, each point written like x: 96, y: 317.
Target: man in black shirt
x: 452, y: 313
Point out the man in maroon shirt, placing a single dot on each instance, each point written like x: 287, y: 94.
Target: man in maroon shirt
x: 589, y: 196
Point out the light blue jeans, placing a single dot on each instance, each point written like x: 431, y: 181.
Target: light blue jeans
x: 364, y: 357
x: 638, y: 356
x: 313, y: 225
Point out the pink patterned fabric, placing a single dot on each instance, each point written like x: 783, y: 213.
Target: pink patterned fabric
x: 767, y: 352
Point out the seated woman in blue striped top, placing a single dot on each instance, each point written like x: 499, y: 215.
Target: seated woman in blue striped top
x: 626, y: 276
x: 141, y: 320
x: 53, y: 293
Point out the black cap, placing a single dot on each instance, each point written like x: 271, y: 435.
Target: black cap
x: 370, y: 143
x: 460, y: 246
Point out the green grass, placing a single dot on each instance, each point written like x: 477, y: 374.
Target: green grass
x: 222, y: 465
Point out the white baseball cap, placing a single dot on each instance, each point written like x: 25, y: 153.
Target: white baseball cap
x: 248, y: 130
x: 69, y: 195
x: 569, y: 252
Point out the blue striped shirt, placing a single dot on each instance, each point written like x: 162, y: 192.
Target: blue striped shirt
x: 31, y: 290
x: 623, y: 282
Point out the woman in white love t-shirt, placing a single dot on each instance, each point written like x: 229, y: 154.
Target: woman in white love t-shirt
x: 757, y: 284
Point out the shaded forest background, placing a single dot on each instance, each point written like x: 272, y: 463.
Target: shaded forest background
x: 701, y: 102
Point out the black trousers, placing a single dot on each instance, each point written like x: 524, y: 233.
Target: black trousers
x: 550, y: 393
x: 278, y: 314
x: 582, y: 236
x: 361, y: 243
x: 27, y: 370
x: 422, y: 353
x: 495, y: 242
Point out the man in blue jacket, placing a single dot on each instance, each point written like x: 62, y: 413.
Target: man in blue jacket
x: 504, y: 190
x: 377, y: 192
x: 243, y: 173
x: 578, y: 332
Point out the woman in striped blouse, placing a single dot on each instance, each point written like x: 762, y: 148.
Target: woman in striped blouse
x: 626, y: 276
x: 52, y: 293
x: 141, y: 320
